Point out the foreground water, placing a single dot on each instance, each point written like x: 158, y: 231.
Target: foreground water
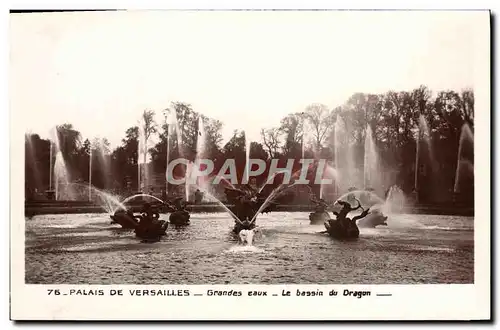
x: 88, y: 249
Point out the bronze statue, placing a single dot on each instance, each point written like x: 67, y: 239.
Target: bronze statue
x: 343, y: 227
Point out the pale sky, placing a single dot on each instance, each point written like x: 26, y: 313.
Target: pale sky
x: 99, y: 71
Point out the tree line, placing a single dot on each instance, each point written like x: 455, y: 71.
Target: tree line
x: 393, y: 118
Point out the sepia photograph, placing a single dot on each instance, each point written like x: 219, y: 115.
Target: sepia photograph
x: 167, y: 147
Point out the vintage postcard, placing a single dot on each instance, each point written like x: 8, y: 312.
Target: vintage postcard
x: 250, y: 165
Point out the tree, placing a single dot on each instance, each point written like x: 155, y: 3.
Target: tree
x: 271, y: 140
x: 37, y: 164
x: 320, y: 121
x: 292, y: 128
x: 213, y: 129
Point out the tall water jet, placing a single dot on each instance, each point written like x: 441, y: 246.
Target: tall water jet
x: 306, y: 136
x: 417, y: 161
x: 247, y: 156
x: 371, y: 170
x: 90, y: 173
x: 187, y: 176
x: 345, y: 163
x: 425, y: 136
x: 100, y: 157
x: 62, y: 184
x: 51, y: 164
x: 99, y: 166
x: 395, y: 200
x: 142, y: 156
x: 59, y: 171
x: 465, y: 157
x: 336, y: 145
x: 173, y: 140
x: 331, y: 173
x: 201, y: 153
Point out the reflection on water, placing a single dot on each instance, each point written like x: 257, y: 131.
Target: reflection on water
x: 87, y: 248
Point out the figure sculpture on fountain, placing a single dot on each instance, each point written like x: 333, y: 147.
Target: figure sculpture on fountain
x: 150, y: 226
x: 343, y: 227
x: 147, y: 225
x: 247, y: 201
x: 179, y: 215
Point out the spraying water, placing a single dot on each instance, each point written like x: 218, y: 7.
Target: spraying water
x: 90, y: 173
x: 63, y: 188
x: 329, y: 173
x: 395, y: 200
x: 142, y: 150
x: 275, y: 193
x: 417, y: 159
x: 107, y: 201
x: 246, y: 236
x: 173, y: 136
x: 200, y: 154
x: 465, y: 157
x: 247, y: 156
x: 425, y: 136
x: 215, y: 199
x: 306, y: 136
x: 344, y: 156
x: 141, y: 195
x: 371, y: 177
x: 270, y: 178
x: 51, y: 165
x: 59, y: 170
x: 187, y: 175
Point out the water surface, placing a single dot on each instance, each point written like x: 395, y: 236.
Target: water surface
x: 88, y: 249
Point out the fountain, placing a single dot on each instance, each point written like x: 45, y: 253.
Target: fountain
x: 371, y: 168
x: 246, y: 236
x: 173, y: 131
x: 305, y: 137
x: 247, y: 156
x: 62, y: 180
x: 106, y: 201
x: 50, y: 192
x: 465, y: 159
x: 196, y: 169
x: 320, y: 214
x: 179, y: 216
x: 395, y: 200
x: 187, y: 175
x: 90, y: 173
x: 142, y: 153
x: 142, y: 196
x: 344, y: 163
x: 249, y: 203
x: 423, y: 137
x: 58, y: 170
x: 427, y: 139
x: 97, y: 155
x: 147, y: 225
